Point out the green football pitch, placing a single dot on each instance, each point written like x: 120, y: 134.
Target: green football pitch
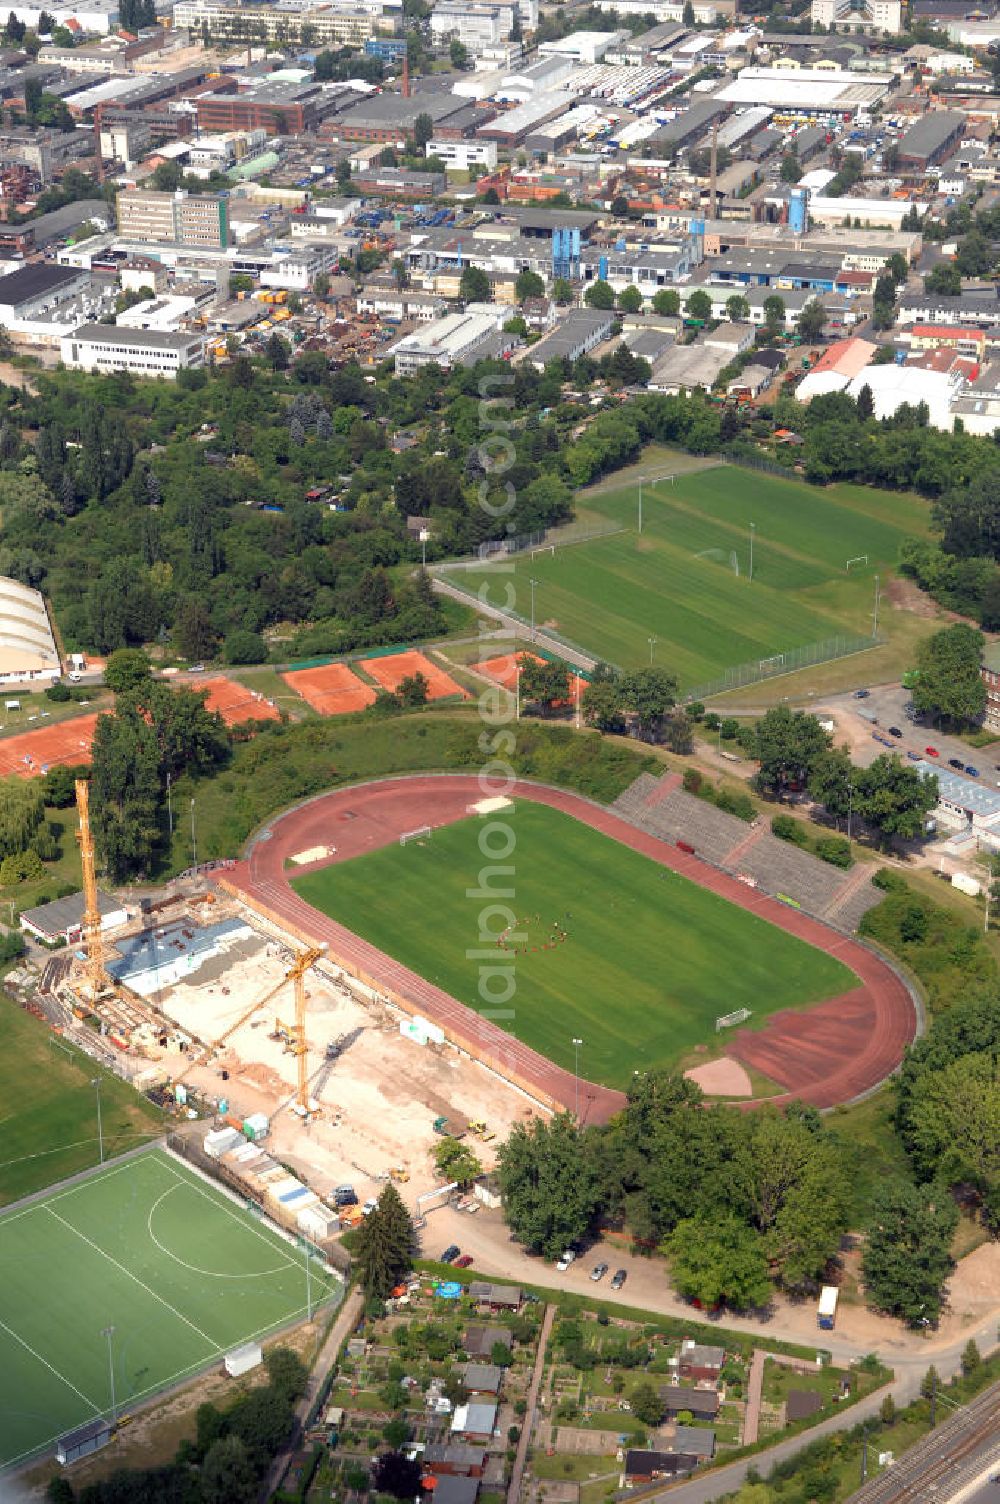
x: 620, y: 952
x: 685, y: 579
x: 178, y: 1271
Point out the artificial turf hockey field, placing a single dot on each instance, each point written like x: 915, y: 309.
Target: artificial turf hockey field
x: 178, y: 1269
x: 611, y: 948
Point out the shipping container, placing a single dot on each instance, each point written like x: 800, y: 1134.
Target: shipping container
x: 243, y: 1359
x: 827, y: 1309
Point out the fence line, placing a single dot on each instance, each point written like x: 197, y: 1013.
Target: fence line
x: 788, y: 662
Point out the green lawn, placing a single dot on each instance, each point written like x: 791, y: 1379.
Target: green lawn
x: 621, y: 952
x: 179, y: 1270
x: 685, y: 579
x: 48, y: 1108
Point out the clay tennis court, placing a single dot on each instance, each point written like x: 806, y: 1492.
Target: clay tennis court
x: 332, y: 689
x: 823, y: 1055
x: 504, y: 671
x: 31, y: 752
x: 390, y: 672
x: 235, y: 703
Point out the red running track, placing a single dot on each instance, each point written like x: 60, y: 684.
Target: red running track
x: 823, y: 1055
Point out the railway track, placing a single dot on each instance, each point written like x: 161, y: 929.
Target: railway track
x: 942, y: 1464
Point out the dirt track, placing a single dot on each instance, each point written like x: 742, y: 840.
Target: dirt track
x: 825, y: 1056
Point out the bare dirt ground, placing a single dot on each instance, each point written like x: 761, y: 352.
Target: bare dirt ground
x: 377, y: 1102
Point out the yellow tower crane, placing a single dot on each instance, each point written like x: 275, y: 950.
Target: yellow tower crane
x: 97, y: 974
x: 297, y: 1034
x: 295, y: 973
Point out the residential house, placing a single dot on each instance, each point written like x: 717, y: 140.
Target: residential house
x: 456, y: 1459
x: 482, y: 1378
x: 703, y: 1404
x: 475, y: 1421
x: 643, y: 1466
x: 697, y: 1360
x: 496, y: 1297
x: 479, y: 1340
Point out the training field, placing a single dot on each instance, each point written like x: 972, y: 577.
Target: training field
x: 615, y: 950
x: 685, y: 579
x: 180, y: 1271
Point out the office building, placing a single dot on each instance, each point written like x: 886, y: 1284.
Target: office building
x: 881, y: 17
x: 178, y: 218
x: 144, y: 352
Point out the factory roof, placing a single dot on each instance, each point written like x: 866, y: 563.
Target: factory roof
x: 34, y: 281
x: 138, y: 339
x: 928, y: 134
x: 64, y: 914
x: 392, y: 109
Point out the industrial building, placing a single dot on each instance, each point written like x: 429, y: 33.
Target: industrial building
x: 577, y: 334
x: 181, y: 218
x: 27, y: 646
x: 39, y: 288
x: 144, y: 352
x: 931, y: 139
x: 459, y: 156
x: 447, y: 342
x: 62, y: 919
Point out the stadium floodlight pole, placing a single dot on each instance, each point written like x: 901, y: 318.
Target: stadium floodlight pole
x: 640, y: 503
x: 194, y: 838
x: 753, y: 529
x: 533, y: 582
x: 875, y: 611
x: 309, y: 1303
x: 576, y: 1070
x: 96, y: 1083
x: 109, y: 1332
x: 652, y: 644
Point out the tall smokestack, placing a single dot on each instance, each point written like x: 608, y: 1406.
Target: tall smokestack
x: 714, y: 171
x: 97, y: 140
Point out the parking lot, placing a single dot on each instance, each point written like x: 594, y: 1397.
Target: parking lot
x: 862, y: 722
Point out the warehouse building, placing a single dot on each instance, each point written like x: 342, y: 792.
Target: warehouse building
x: 27, y: 646
x: 62, y: 920
x: 36, y: 290
x: 931, y: 139
x: 447, y: 342
x: 144, y: 352
x: 578, y: 333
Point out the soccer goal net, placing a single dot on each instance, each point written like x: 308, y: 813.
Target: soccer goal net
x: 420, y: 834
x: 730, y: 1020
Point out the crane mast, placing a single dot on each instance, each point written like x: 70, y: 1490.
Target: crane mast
x: 96, y: 971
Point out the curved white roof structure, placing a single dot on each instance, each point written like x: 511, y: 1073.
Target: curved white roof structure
x: 26, y: 642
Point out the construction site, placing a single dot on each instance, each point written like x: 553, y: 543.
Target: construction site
x: 206, y: 1006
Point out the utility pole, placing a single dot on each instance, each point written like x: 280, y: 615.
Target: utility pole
x: 850, y: 806
x: 194, y: 839
x: 864, y: 1450
x: 753, y: 529
x: 933, y: 1399
x: 96, y: 1083
x: 533, y: 584
x: 875, y: 611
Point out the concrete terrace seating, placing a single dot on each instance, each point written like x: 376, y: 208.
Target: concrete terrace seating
x: 630, y: 803
x: 777, y: 866
x: 780, y: 867
x: 681, y: 816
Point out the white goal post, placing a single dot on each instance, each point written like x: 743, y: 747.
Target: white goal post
x: 730, y: 1020
x: 858, y: 559
x: 421, y: 832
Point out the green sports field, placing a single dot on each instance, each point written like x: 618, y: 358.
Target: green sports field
x: 677, y: 581
x: 182, y: 1272
x: 621, y: 952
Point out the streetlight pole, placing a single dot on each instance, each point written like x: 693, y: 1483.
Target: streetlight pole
x: 850, y: 806
x: 640, y: 505
x: 652, y: 645
x: 170, y: 808
x: 194, y: 839
x: 109, y: 1332
x: 96, y: 1083
x: 875, y: 611
x: 753, y: 529
x: 309, y: 1307
x: 533, y: 582
x: 576, y: 1069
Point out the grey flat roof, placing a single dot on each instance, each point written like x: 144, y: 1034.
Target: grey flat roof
x: 67, y: 913
x: 34, y: 281
x: 928, y: 133
x: 393, y: 109
x: 954, y: 788
x: 137, y: 339
x: 58, y: 221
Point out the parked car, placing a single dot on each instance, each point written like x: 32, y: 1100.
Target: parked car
x: 618, y: 1278
x: 369, y: 1207
x: 450, y: 1254
x: 345, y: 1195
x: 956, y: 762
x: 862, y: 694
x: 464, y: 1261
x: 563, y: 1263
x: 972, y: 772
x: 913, y: 756
x: 895, y: 731
x: 598, y: 1272
x: 933, y: 752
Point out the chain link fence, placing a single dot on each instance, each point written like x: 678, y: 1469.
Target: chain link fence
x: 788, y: 662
